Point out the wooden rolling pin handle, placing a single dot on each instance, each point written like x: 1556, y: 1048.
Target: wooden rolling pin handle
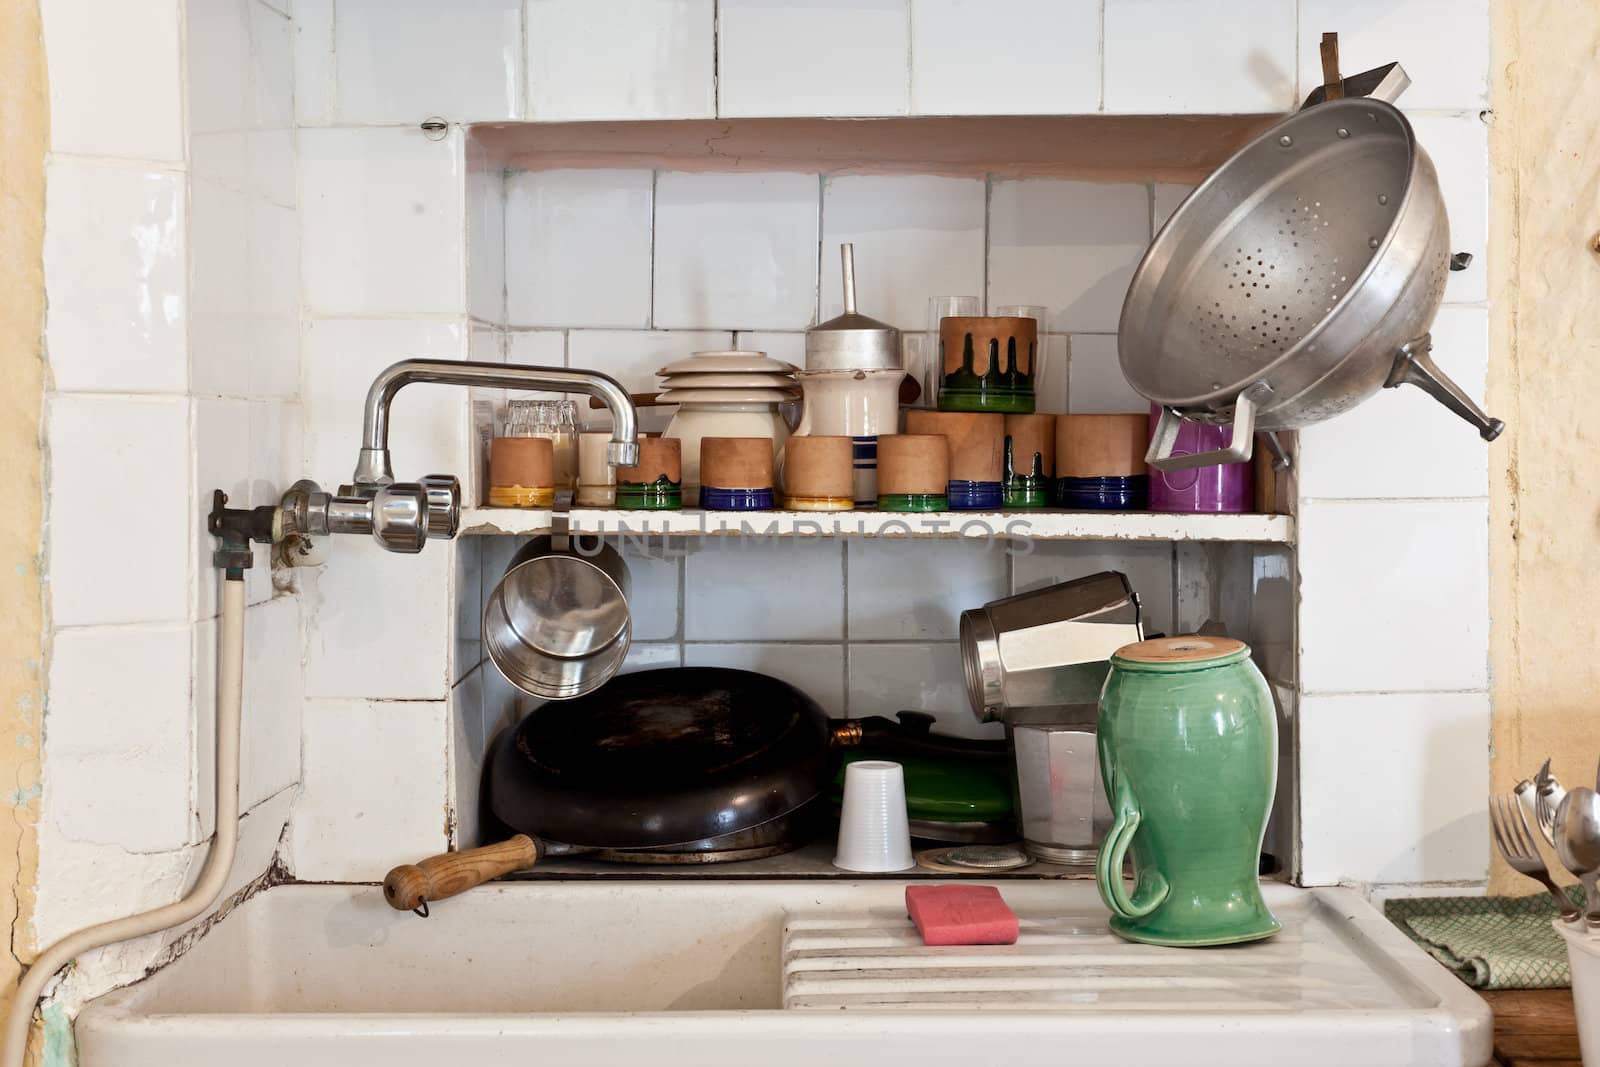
x: 410, y: 886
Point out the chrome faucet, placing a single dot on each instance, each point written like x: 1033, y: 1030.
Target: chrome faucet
x: 404, y: 516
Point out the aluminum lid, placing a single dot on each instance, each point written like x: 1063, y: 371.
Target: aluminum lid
x: 852, y: 341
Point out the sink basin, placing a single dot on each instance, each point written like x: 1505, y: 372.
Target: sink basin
x: 713, y: 972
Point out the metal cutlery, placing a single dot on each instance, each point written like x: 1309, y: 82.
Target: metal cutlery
x: 1515, y: 842
x: 1577, y: 840
x: 1548, y: 796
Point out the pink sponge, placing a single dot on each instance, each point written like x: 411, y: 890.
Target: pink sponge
x: 961, y: 915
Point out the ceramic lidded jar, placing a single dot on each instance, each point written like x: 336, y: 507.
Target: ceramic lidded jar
x: 1189, y: 755
x: 852, y: 382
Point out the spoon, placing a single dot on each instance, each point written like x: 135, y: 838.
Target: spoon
x: 1577, y: 840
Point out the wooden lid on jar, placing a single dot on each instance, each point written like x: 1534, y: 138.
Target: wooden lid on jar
x: 912, y: 464
x: 1191, y: 648
x: 1030, y: 435
x: 658, y: 457
x: 819, y: 466
x: 989, y: 333
x: 976, y: 441
x: 525, y: 462
x: 736, y: 462
x: 1101, y: 446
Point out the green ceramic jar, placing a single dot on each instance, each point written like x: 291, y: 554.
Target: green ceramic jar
x: 1189, y: 755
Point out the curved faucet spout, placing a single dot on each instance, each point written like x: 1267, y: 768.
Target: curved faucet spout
x: 373, y: 469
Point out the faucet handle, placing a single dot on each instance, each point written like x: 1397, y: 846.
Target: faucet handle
x: 442, y: 493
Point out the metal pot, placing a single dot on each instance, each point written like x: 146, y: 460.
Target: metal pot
x: 1295, y: 282
x: 557, y: 623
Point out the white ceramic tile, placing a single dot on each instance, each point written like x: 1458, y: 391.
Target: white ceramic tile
x: 466, y: 590
x: 649, y: 657
x: 655, y: 62
x: 271, y: 67
x: 1178, y: 56
x: 406, y: 60
x: 732, y: 590
x: 1097, y: 385
x: 737, y: 251
x: 916, y: 590
x: 1443, y: 44
x: 789, y: 347
x: 114, y: 261
x: 632, y: 357
x: 217, y: 61
x: 1403, y: 443
x: 313, y: 62
x: 116, y: 751
x: 277, y: 448
x: 885, y: 679
x: 427, y: 422
x: 376, y: 788
x: 578, y: 248
x: 1070, y: 246
x: 1167, y: 199
x: 1052, y: 379
x: 124, y: 882
x: 273, y: 267
x: 1005, y: 57
x: 1459, y: 148
x: 117, y: 456
x: 115, y: 81
x: 914, y: 237
x: 796, y: 57
x: 1423, y: 816
x: 1393, y: 595
x: 815, y: 670
x: 1266, y: 581
x: 468, y: 745
x: 273, y: 697
x: 378, y: 623
x: 1148, y: 565
x: 486, y: 237
x: 382, y: 221
x: 223, y: 344
x: 653, y: 578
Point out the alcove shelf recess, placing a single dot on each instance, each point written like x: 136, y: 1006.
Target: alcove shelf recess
x: 1038, y: 525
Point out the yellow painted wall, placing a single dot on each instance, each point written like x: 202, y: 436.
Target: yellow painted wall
x: 1544, y: 380
x: 23, y: 120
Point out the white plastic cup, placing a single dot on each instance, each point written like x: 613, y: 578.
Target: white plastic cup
x: 874, y: 835
x: 1583, y: 954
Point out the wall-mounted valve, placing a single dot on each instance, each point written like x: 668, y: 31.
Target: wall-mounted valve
x: 400, y: 516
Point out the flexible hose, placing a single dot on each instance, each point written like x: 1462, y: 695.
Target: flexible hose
x: 213, y: 875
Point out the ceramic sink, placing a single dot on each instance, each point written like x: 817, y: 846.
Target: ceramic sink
x: 712, y: 972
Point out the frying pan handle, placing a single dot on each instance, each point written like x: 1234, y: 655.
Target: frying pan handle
x: 1413, y: 365
x: 411, y: 886
x: 1240, y: 448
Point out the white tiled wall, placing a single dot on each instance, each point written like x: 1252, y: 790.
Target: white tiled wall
x: 272, y: 176
x: 172, y: 278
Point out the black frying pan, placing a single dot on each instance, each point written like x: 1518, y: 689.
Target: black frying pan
x: 676, y: 761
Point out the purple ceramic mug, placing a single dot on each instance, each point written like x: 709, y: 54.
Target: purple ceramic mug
x: 1225, y: 487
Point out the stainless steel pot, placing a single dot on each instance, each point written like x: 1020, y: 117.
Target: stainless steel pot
x: 557, y: 623
x: 1295, y: 282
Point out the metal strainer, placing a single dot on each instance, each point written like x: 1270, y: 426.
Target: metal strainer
x: 1299, y: 279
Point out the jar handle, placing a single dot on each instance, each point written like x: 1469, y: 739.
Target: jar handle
x: 1152, y: 885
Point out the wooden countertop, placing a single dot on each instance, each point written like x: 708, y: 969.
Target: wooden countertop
x: 1534, y: 1027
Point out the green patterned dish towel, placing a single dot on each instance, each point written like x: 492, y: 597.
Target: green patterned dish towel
x: 1490, y: 942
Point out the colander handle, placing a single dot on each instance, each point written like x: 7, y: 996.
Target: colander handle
x: 1413, y: 365
x: 1240, y: 448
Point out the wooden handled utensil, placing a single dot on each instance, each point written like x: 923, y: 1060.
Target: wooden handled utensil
x: 410, y: 886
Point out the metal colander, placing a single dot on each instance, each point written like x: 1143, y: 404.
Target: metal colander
x: 1296, y: 280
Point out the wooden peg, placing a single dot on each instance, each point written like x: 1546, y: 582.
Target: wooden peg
x: 1332, y: 84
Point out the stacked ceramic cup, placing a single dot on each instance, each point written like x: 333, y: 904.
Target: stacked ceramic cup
x: 725, y: 394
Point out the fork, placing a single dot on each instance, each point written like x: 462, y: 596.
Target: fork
x: 1547, y: 800
x: 1515, y: 842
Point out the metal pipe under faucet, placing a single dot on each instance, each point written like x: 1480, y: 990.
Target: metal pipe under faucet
x: 373, y: 469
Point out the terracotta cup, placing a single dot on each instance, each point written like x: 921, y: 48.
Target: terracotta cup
x: 912, y: 464
x: 1101, y: 446
x: 736, y: 462
x: 976, y: 441
x: 1032, y: 435
x: 522, y: 472
x: 819, y: 473
x: 659, y: 457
